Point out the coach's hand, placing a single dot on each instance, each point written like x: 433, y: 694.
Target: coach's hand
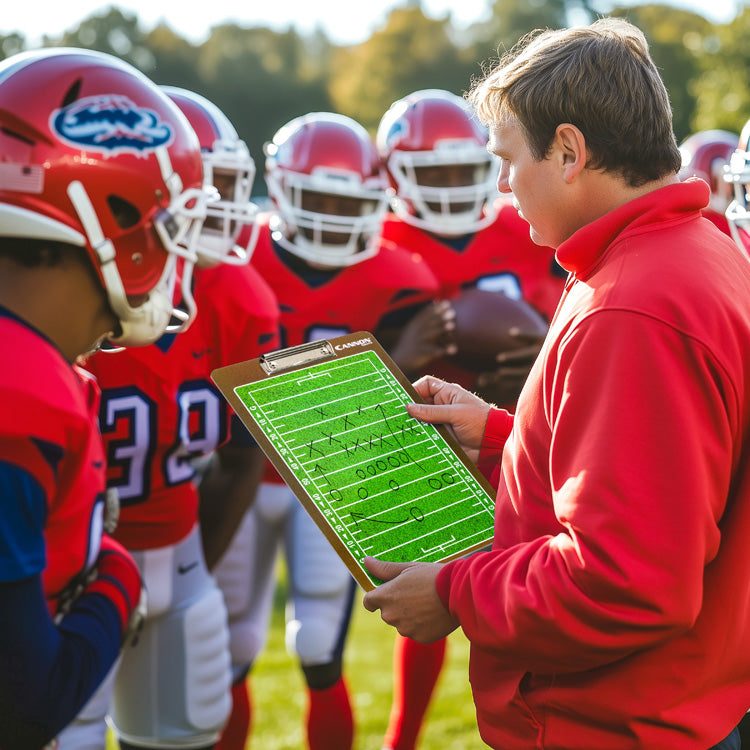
x: 408, y: 599
x: 450, y: 404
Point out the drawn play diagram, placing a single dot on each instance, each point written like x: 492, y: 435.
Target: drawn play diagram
x: 376, y: 480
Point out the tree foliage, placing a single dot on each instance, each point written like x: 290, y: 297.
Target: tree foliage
x: 411, y: 52
x: 263, y: 78
x: 720, y: 91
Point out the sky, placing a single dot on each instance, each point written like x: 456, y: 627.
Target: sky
x: 344, y: 21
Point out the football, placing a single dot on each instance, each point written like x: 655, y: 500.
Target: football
x: 484, y: 321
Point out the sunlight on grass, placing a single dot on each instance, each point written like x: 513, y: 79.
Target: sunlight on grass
x: 279, y: 696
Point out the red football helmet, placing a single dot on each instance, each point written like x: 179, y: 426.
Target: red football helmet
x: 737, y: 175
x: 329, y: 188
x: 704, y: 155
x: 93, y: 154
x: 442, y: 176
x: 228, y: 166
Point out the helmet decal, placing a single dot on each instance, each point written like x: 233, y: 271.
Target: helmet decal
x: 111, y: 124
x: 399, y: 129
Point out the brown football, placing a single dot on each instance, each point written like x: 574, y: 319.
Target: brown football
x: 484, y: 320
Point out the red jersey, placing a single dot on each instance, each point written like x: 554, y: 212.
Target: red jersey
x: 48, y: 434
x: 319, y: 304
x: 160, y: 409
x: 612, y: 609
x: 501, y: 257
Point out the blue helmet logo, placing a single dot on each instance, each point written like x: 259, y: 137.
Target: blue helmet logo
x: 398, y: 129
x: 110, y: 124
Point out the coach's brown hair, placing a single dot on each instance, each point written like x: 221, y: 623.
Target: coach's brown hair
x: 600, y: 78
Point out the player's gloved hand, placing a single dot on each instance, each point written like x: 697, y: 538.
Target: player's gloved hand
x: 425, y: 338
x: 117, y: 577
x: 503, y: 385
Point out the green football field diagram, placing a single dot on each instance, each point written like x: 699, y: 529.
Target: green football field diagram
x: 387, y: 484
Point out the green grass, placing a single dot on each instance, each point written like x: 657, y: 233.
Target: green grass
x: 279, y: 695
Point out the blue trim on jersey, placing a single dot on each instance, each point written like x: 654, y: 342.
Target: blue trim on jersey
x: 165, y: 341
x: 459, y: 242
x: 48, y: 673
x: 22, y: 550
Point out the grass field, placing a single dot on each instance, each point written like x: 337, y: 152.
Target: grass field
x: 279, y: 697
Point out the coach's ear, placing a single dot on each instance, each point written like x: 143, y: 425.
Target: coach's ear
x: 571, y: 145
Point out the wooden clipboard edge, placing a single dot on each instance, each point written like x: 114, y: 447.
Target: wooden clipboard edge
x: 226, y: 379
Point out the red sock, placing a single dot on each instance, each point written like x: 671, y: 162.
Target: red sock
x: 237, y: 729
x: 330, y: 723
x: 416, y: 668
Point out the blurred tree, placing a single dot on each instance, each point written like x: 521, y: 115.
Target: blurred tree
x: 172, y: 59
x: 510, y: 20
x: 114, y: 32
x: 721, y: 92
x: 11, y: 44
x: 411, y: 52
x: 674, y: 38
x: 261, y: 79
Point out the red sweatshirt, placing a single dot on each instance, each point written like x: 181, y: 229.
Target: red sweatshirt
x: 614, y: 609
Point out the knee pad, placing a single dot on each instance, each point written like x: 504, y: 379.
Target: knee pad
x: 208, y: 664
x: 273, y: 502
x: 173, y: 687
x: 247, y: 638
x: 312, y: 640
x: 315, y: 569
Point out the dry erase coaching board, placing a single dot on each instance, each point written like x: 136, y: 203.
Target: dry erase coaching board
x: 330, y: 416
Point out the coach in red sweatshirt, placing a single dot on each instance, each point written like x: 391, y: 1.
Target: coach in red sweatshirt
x: 613, y: 610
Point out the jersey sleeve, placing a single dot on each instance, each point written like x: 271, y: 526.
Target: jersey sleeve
x: 21, y: 523
x: 47, y: 673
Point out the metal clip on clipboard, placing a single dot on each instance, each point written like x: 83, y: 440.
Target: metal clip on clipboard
x: 296, y: 356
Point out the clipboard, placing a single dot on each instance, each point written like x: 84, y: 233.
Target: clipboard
x: 330, y: 417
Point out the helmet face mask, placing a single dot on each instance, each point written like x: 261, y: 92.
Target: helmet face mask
x: 706, y: 154
x: 329, y: 189
x: 737, y: 174
x: 230, y: 169
x: 103, y: 160
x: 430, y: 136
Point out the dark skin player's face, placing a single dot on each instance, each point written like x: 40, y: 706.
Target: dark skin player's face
x: 332, y: 205
x: 447, y: 176
x: 225, y: 183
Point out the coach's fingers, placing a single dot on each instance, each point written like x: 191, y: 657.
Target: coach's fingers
x: 384, y: 569
x: 432, y: 413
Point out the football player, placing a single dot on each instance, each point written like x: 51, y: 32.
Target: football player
x: 446, y: 206
x: 101, y: 192
x: 319, y: 250
x: 737, y: 176
x: 159, y: 412
x: 706, y: 155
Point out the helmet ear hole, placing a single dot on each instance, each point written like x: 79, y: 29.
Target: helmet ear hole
x: 125, y: 213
